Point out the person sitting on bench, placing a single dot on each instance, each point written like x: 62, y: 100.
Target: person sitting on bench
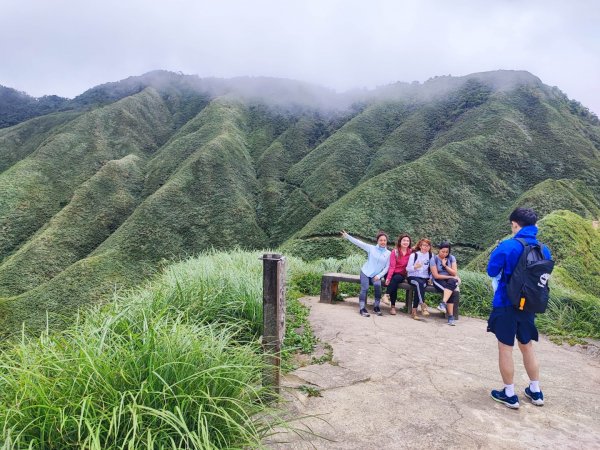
x: 444, y: 273
x: 397, y: 273
x: 377, y: 265
x: 419, y: 274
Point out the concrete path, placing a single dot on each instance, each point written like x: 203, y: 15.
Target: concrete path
x: 398, y: 383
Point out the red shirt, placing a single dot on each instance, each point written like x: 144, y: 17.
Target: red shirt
x: 398, y: 265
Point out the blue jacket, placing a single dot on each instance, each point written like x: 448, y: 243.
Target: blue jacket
x: 505, y: 257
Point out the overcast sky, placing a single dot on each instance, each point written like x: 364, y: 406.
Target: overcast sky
x: 64, y: 47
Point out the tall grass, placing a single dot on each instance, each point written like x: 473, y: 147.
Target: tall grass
x: 221, y: 287
x: 475, y: 294
x: 571, y: 313
x: 175, y: 365
x: 161, y: 383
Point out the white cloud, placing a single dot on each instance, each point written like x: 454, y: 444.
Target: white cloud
x: 66, y: 46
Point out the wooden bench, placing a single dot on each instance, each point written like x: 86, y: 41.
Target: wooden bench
x: 330, y: 282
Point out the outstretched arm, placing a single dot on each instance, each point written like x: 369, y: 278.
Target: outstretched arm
x: 366, y: 247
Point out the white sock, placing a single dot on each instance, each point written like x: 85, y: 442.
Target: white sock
x: 509, y: 390
x: 534, y: 386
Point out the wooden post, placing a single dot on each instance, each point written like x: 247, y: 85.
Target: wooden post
x: 408, y: 300
x: 273, y: 315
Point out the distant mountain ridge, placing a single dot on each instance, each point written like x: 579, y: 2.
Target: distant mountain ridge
x: 16, y: 106
x: 156, y: 167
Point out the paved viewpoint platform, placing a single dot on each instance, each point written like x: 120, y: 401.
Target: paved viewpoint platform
x: 399, y: 383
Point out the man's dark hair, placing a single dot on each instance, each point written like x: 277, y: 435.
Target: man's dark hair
x: 523, y: 216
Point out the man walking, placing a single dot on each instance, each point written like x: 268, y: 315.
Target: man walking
x: 506, y: 321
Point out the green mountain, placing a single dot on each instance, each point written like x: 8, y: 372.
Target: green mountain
x: 99, y: 194
x: 575, y: 243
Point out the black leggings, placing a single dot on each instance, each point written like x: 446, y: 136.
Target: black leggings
x: 420, y: 284
x: 392, y: 288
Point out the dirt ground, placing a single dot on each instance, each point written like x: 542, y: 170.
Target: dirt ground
x: 399, y: 383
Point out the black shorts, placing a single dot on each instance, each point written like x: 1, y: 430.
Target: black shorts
x: 450, y: 284
x: 508, y: 322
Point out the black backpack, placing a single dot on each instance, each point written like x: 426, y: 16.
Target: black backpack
x: 527, y: 287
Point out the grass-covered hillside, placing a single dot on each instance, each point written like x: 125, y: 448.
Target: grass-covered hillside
x: 481, y: 159
x: 575, y: 244
x: 101, y: 192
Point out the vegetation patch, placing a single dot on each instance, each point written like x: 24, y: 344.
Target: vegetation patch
x: 326, y: 357
x: 310, y: 391
x: 175, y: 364
x: 299, y: 334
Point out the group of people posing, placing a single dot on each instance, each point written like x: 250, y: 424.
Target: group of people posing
x: 416, y: 265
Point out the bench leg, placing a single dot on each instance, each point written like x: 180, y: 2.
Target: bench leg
x: 334, y: 290
x: 456, y: 303
x: 408, y: 301
x: 326, y: 290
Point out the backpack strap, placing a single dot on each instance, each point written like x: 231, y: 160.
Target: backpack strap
x: 522, y: 241
x: 539, y: 245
